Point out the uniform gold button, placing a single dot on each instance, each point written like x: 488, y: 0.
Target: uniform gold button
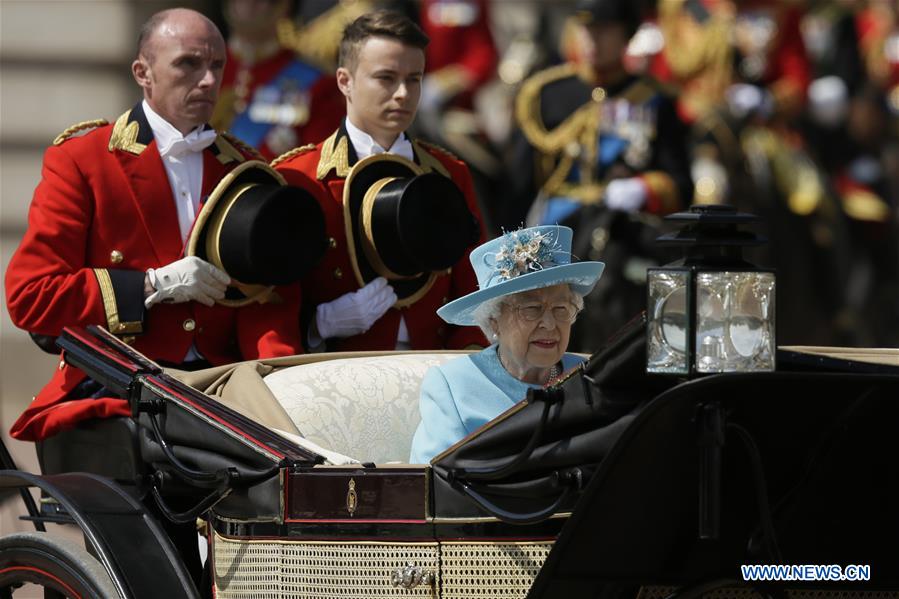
x: 115, y: 256
x: 338, y: 274
x: 119, y: 327
x: 189, y: 324
x: 332, y: 243
x: 598, y: 94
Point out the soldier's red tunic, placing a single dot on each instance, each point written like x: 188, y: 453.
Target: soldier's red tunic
x: 102, y: 214
x: 322, y: 170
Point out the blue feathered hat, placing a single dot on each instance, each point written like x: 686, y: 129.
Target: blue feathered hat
x: 520, y: 261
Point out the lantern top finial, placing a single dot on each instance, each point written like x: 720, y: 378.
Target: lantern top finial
x: 712, y: 231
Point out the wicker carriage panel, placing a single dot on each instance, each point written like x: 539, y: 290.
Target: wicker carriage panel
x: 495, y: 570
x: 318, y: 570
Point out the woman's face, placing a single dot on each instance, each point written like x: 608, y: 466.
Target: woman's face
x: 529, y: 346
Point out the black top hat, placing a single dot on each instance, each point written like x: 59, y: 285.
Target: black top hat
x: 626, y: 12
x: 258, y: 230
x: 404, y: 225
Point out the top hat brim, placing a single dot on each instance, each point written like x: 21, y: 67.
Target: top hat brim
x: 251, y: 171
x: 361, y: 177
x: 581, y: 276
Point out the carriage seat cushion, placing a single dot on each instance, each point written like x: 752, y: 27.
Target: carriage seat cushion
x: 364, y: 407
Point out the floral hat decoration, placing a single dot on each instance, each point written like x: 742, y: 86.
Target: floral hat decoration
x: 519, y: 261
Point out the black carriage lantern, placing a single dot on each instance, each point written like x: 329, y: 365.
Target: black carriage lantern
x: 711, y: 311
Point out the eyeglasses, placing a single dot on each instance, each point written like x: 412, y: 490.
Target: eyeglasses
x: 531, y: 312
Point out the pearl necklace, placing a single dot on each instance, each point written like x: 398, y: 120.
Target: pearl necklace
x: 554, y: 373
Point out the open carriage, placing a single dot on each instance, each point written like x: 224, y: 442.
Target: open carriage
x: 613, y: 483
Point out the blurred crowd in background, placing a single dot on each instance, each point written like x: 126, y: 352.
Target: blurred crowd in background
x: 788, y: 109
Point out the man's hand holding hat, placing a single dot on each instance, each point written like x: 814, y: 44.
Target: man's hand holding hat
x: 352, y: 313
x: 187, y: 279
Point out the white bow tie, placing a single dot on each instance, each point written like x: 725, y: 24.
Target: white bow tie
x: 196, y: 141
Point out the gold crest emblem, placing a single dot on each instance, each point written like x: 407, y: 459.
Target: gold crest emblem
x: 352, y: 501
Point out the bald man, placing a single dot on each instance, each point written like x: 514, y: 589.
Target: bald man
x: 108, y: 223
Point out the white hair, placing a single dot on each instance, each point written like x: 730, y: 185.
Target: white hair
x: 488, y: 312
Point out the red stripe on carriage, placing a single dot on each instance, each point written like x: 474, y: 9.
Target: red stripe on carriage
x: 259, y: 443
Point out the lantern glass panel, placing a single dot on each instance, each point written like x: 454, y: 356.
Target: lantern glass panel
x: 668, y: 321
x: 735, y: 322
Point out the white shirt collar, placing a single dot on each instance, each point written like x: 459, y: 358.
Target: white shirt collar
x: 365, y: 145
x: 166, y: 135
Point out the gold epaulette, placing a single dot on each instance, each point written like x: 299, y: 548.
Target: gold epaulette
x: 236, y: 141
x: 291, y: 153
x: 432, y: 146
x: 78, y: 127
x: 428, y: 161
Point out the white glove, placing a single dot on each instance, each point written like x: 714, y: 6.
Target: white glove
x: 828, y: 101
x: 433, y: 95
x: 187, y: 279
x: 354, y: 313
x: 626, y: 195
x: 744, y: 99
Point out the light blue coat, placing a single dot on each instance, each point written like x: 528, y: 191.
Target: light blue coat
x: 461, y: 395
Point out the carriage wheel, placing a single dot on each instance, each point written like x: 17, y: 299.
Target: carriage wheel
x: 61, y: 567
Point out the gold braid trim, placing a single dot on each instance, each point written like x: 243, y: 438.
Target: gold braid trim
x: 78, y: 127
x: 236, y: 141
x: 692, y: 47
x: 318, y: 40
x: 335, y: 155
x: 527, y: 112
x: 111, y: 308
x: 573, y: 141
x: 428, y: 161
x: 700, y: 54
x: 124, y: 136
x: 291, y: 153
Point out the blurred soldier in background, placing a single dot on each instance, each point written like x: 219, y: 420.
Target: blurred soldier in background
x: 745, y: 80
x: 878, y: 26
x: 603, y: 151
x: 460, y: 59
x: 748, y: 53
x: 270, y: 98
x: 847, y: 130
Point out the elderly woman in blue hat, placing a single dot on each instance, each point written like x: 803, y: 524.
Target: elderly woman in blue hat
x: 530, y: 292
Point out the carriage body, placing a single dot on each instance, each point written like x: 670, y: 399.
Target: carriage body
x: 672, y: 504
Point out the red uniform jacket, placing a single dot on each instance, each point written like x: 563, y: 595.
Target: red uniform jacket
x: 322, y: 170
x: 103, y: 214
x: 277, y: 103
x: 460, y: 37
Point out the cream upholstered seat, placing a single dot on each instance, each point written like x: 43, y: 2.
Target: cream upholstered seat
x: 365, y: 407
